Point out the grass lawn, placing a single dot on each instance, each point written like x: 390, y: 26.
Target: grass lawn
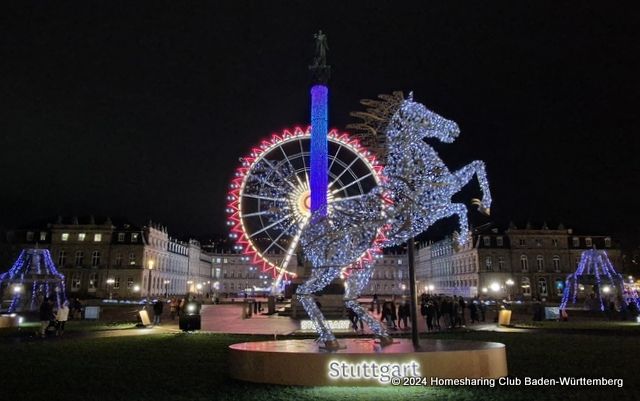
x: 194, y: 367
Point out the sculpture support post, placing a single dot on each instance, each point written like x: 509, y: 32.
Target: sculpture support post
x: 319, y: 161
x: 413, y: 294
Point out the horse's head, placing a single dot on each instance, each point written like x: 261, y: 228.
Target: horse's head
x: 414, y: 119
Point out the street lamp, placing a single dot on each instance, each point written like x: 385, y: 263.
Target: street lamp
x: 150, y: 266
x: 166, y: 288
x: 431, y: 288
x: 495, y: 287
x: 110, y: 282
x: 17, y: 288
x: 509, y: 284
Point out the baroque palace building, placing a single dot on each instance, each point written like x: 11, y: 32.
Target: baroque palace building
x: 521, y: 264
x: 116, y: 258
x: 235, y: 275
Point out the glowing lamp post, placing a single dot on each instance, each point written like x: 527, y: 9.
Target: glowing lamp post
x: 166, y: 288
x: 509, y: 284
x: 150, y: 264
x: 110, y: 283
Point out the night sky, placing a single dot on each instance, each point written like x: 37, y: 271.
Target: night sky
x: 142, y: 109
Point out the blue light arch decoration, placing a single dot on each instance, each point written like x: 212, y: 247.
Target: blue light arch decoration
x: 596, y: 269
x: 32, y: 275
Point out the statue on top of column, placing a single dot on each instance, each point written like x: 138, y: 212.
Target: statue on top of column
x: 319, y: 69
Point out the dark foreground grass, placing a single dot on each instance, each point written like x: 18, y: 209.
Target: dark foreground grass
x: 195, y: 367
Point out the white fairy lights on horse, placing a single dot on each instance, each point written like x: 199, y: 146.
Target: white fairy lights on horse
x: 415, y: 192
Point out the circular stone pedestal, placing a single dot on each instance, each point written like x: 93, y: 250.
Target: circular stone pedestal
x: 363, y: 362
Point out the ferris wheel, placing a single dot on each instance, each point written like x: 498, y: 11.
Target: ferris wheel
x: 269, y: 199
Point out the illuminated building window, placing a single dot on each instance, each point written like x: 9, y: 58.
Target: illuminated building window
x: 75, y: 282
x: 81, y: 236
x: 542, y: 287
x: 526, y: 286
x: 65, y: 236
x: 93, y: 281
x: 97, y: 237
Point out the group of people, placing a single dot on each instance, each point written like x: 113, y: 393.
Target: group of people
x: 176, y: 307
x: 53, y: 316
x: 392, y: 313
x: 451, y: 311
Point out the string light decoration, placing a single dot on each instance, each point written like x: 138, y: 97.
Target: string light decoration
x: 595, y: 267
x: 36, y: 268
x: 319, y: 177
x: 415, y: 192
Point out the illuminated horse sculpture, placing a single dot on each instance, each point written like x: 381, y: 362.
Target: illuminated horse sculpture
x: 416, y: 192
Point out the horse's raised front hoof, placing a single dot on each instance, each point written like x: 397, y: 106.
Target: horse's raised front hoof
x: 332, y: 345
x: 386, y: 341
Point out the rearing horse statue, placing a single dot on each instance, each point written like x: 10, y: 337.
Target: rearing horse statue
x: 416, y: 191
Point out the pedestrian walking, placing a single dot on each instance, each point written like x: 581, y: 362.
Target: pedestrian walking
x: 173, y: 308
x: 61, y: 318
x: 157, y: 311
x: 46, y: 316
x: 430, y: 313
x: 473, y: 311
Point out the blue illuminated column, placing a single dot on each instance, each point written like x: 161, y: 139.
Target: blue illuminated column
x: 319, y: 174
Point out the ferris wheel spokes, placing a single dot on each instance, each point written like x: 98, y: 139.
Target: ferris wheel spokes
x: 270, y: 198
